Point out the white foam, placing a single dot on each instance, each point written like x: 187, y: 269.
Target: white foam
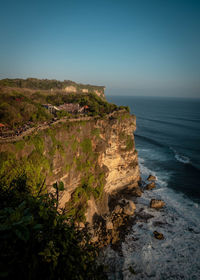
x: 181, y: 158
x: 162, y: 179
x: 175, y: 257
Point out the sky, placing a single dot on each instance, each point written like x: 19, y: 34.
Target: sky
x: 133, y: 47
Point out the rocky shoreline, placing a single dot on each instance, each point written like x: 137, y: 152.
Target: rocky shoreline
x: 111, y: 229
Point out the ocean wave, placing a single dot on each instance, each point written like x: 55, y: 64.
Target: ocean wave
x: 149, y: 140
x: 162, y: 179
x: 170, y: 123
x: 181, y: 158
x: 185, y: 160
x: 185, y: 119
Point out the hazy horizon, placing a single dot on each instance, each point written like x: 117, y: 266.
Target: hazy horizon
x: 145, y: 48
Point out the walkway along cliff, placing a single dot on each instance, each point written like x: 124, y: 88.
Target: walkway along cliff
x: 94, y: 159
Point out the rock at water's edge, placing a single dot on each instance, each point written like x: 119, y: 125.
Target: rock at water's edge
x: 129, y: 208
x: 158, y: 235
x: 157, y: 203
x: 151, y: 178
x: 136, y: 192
x: 150, y: 186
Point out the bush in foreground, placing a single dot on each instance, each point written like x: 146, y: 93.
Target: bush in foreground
x: 38, y: 242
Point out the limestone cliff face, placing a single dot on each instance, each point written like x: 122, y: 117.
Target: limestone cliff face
x: 120, y: 156
x: 73, y: 89
x: 115, y: 157
x: 93, y: 158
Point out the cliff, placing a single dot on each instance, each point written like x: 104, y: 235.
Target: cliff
x: 94, y: 157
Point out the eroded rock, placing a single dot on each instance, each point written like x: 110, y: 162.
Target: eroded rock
x: 81, y: 225
x: 109, y: 225
x: 118, y: 209
x: 137, y: 192
x: 158, y: 235
x: 157, y: 203
x: 129, y: 208
x: 151, y: 178
x: 150, y: 186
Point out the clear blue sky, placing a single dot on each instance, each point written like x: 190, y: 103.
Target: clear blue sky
x: 145, y: 47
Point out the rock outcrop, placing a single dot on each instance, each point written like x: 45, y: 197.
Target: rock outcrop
x: 150, y: 186
x: 129, y: 208
x: 158, y: 235
x: 151, y: 178
x: 157, y: 203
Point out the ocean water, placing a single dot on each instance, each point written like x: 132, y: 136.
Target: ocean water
x: 168, y: 143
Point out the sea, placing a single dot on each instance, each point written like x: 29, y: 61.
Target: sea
x: 167, y: 139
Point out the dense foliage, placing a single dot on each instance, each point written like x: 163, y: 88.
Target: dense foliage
x: 17, y: 108
x: 96, y: 105
x: 21, y: 100
x: 45, y: 84
x: 37, y: 241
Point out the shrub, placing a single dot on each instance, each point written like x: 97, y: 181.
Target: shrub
x: 37, y: 242
x: 124, y: 108
x: 129, y: 143
x: 86, y: 146
x: 95, y: 132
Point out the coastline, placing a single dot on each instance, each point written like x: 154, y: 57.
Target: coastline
x: 141, y: 255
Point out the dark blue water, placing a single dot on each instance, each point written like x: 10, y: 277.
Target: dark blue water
x: 168, y: 139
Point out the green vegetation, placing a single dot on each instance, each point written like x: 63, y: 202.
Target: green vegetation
x: 62, y: 113
x: 96, y: 132
x: 74, y: 145
x: 122, y: 136
x: 36, y: 165
x: 38, y: 143
x: 86, y: 146
x: 124, y: 116
x: 129, y: 143
x: 127, y: 140
x: 21, y: 102
x: 16, y: 109
x: 96, y: 105
x: 91, y: 185
x: 124, y: 108
x: 45, y: 84
x: 82, y: 164
x: 37, y: 241
x: 98, y: 191
x: 56, y: 145
x: 19, y: 145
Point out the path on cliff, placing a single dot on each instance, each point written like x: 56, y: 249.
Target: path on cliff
x: 39, y: 128
x: 48, y: 125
